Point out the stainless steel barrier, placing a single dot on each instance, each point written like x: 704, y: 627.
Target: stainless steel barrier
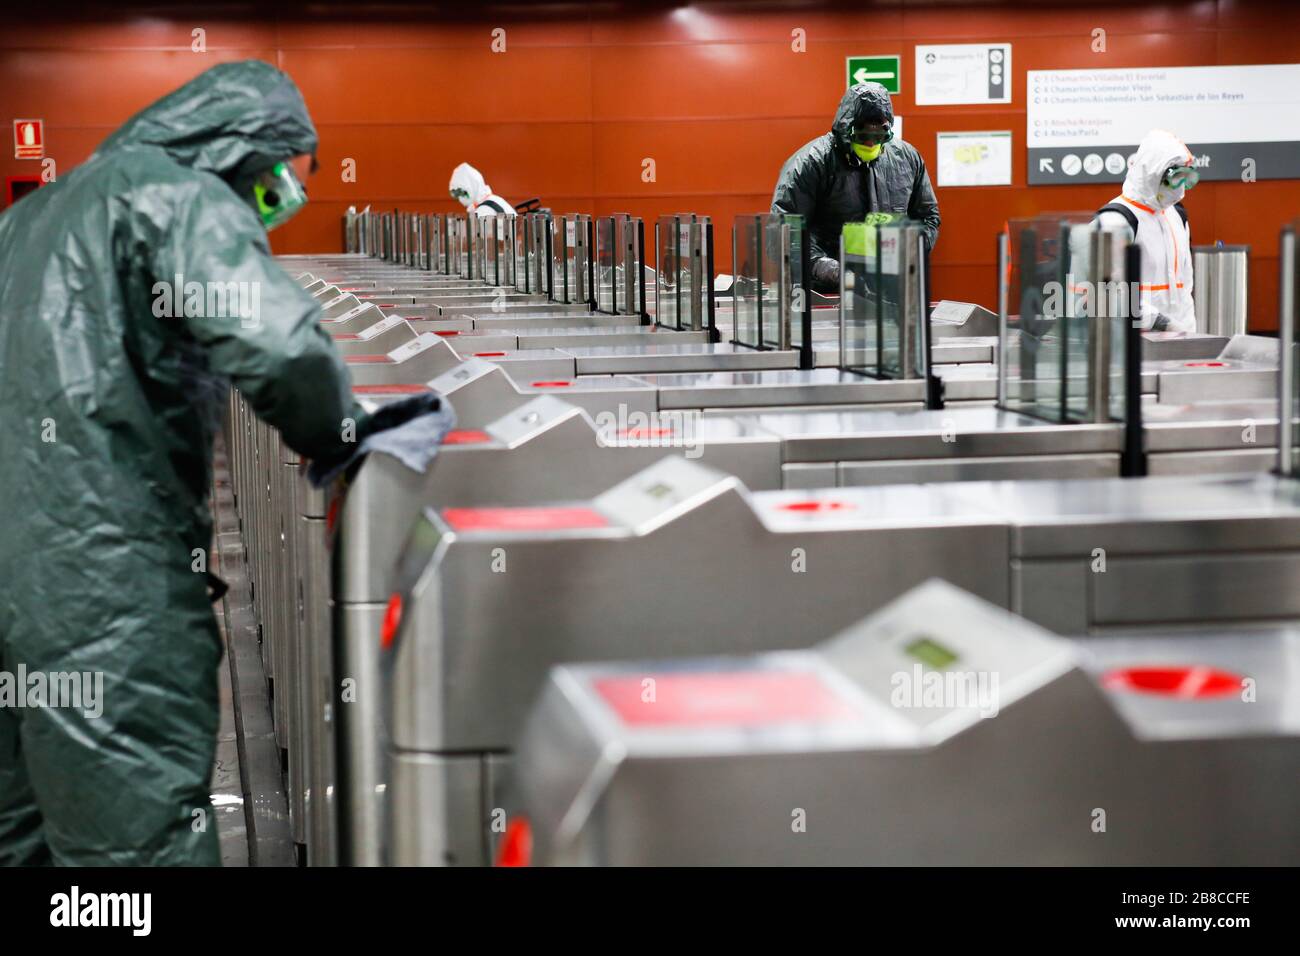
x: 971, y: 737
x: 1045, y: 567
x: 1220, y: 288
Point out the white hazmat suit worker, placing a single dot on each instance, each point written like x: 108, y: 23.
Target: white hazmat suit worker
x: 467, y: 186
x: 1150, y: 210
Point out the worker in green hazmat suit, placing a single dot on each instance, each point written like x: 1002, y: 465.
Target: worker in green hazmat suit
x: 113, y: 380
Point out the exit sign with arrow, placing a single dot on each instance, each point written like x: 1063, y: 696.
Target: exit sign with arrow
x: 874, y: 69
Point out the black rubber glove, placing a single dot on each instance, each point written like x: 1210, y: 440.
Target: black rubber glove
x: 826, y: 275
x: 392, y: 414
x: 387, y: 416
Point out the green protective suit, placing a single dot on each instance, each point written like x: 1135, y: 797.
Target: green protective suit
x: 108, y: 412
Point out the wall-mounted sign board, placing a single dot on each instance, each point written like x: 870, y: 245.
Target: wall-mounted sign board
x: 1240, y: 122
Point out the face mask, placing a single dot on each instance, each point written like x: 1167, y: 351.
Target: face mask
x: 461, y: 196
x: 867, y: 153
x: 279, y: 195
x: 1166, y: 196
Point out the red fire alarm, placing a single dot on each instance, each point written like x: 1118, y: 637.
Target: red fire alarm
x: 29, y: 139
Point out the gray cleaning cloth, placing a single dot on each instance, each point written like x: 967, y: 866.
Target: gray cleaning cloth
x: 413, y: 441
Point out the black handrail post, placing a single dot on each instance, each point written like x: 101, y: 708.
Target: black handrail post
x: 807, y: 357
x: 640, y: 266
x: 714, y: 336
x: 934, y: 390
x: 1133, y: 463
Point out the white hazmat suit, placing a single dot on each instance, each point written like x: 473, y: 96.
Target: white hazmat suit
x: 1163, y: 233
x: 468, y: 186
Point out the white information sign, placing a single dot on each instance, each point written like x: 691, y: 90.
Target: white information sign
x: 975, y: 159
x: 955, y: 73
x: 1239, y: 122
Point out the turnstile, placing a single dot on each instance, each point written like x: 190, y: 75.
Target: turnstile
x: 939, y: 731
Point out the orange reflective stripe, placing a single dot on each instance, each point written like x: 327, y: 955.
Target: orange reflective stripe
x: 1134, y: 202
x: 1173, y: 244
x: 1160, y: 288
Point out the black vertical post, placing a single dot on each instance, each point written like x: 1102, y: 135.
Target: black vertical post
x: 878, y: 289
x: 550, y: 257
x: 710, y: 305
x: 1133, y: 463
x: 934, y: 396
x: 640, y: 268
x: 807, y: 357
x: 1064, y: 323
x: 758, y: 299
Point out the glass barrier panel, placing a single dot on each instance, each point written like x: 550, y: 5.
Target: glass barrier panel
x: 606, y: 242
x: 520, y: 238
x: 1069, y: 305
x: 632, y: 266
x: 858, y: 312
x: 881, y: 332
x: 540, y: 230
x: 668, y: 248
x: 1034, y: 358
x: 1098, y: 305
x: 773, y: 264
x: 573, y: 255
x: 559, y: 256
x: 438, y: 244
x: 506, y: 250
x: 747, y: 289
x: 797, y: 293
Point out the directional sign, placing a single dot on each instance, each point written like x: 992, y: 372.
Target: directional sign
x: 1239, y: 122
x: 874, y: 69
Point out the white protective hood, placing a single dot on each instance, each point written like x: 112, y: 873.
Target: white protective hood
x: 1158, y: 151
x: 468, y: 178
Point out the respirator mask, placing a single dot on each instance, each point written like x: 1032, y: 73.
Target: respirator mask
x: 279, y: 195
x: 867, y: 143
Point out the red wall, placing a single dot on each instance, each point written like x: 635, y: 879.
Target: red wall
x: 713, y: 93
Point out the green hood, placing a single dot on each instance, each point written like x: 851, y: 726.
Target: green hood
x: 235, y: 120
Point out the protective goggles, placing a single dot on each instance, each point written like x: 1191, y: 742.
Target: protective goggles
x: 872, y: 137
x: 1178, y: 177
x: 279, y: 194
x: 460, y: 195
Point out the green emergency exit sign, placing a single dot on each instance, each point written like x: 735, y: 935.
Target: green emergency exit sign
x: 873, y: 69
